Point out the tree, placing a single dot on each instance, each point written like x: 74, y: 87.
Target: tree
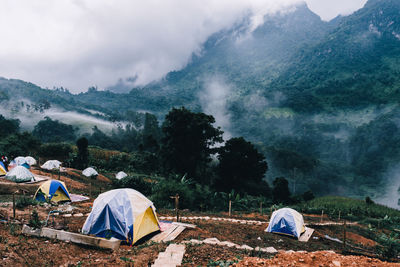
x: 280, y: 192
x: 55, y: 151
x: 19, y: 144
x: 241, y: 167
x: 8, y: 127
x: 49, y: 130
x: 83, y: 153
x: 151, y: 133
x: 189, y: 140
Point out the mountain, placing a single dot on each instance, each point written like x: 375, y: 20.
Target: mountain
x: 355, y: 65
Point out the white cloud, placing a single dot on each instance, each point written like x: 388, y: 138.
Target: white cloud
x: 80, y: 43
x: 213, y: 100
x: 329, y: 9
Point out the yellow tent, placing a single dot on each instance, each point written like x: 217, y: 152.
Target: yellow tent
x: 52, y: 190
x: 124, y: 213
x: 2, y: 171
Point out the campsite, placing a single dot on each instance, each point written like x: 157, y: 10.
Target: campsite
x: 209, y: 238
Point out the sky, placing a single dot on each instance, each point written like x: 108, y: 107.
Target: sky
x: 77, y: 44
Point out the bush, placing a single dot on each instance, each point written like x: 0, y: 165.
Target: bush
x: 369, y: 201
x: 55, y: 150
x: 390, y: 246
x: 308, y: 195
x: 136, y: 183
x: 21, y: 203
x: 34, y: 220
x: 167, y: 188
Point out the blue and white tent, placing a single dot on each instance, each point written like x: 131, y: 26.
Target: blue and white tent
x: 124, y: 214
x: 286, y: 221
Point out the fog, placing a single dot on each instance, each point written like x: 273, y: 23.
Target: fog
x: 85, y: 123
x: 78, y: 44
x: 213, y: 100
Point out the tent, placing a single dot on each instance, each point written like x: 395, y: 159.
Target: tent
x: 51, y: 164
x: 30, y: 160
x: 52, y: 190
x: 20, y: 174
x: 88, y: 172
x: 120, y: 175
x: 2, y: 169
x: 20, y: 160
x: 124, y: 214
x: 26, y: 165
x: 286, y: 221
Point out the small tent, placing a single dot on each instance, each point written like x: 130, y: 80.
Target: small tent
x: 2, y: 169
x: 30, y: 160
x: 52, y: 190
x: 20, y: 174
x: 89, y: 172
x: 120, y: 175
x: 51, y: 164
x: 20, y: 160
x: 124, y: 214
x: 286, y: 221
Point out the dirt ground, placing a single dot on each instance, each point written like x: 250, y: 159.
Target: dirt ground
x: 19, y: 250
x: 319, y: 258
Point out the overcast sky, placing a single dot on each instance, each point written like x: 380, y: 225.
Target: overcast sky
x: 80, y: 43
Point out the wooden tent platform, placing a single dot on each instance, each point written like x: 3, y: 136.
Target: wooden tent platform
x: 171, y: 232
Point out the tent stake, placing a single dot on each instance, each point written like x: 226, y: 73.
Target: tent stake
x: 230, y: 208
x: 322, y: 215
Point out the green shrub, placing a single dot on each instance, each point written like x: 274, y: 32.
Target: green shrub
x: 136, y: 183
x: 34, y: 220
x: 23, y: 202
x: 390, y: 246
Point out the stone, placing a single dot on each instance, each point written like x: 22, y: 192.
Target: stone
x: 337, y: 263
x: 211, y: 241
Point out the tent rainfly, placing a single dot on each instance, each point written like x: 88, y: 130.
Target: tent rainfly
x: 30, y: 160
x: 20, y: 174
x: 52, y: 190
x: 89, y: 172
x: 124, y: 214
x: 2, y: 169
x: 120, y: 175
x: 286, y: 221
x: 51, y: 164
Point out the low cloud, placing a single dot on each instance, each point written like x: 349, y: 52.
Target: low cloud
x: 213, y: 99
x: 78, y: 44
x: 85, y: 123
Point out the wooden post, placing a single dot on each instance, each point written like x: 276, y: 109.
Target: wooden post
x: 59, y: 173
x: 14, y: 206
x: 176, y: 197
x: 344, y: 234
x: 322, y: 215
x: 261, y: 209
x: 230, y: 208
x: 339, y: 215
